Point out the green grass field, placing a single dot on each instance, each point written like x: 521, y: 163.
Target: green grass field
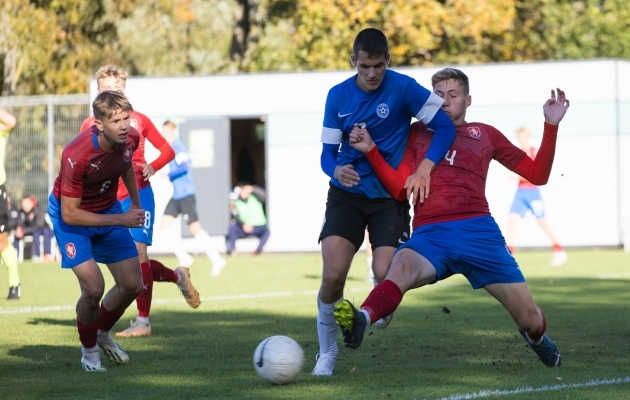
x: 473, y: 351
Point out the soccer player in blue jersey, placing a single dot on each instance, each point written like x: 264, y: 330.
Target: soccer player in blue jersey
x: 384, y: 102
x: 183, y: 202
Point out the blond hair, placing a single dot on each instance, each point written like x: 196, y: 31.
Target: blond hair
x: 111, y: 70
x: 108, y: 102
x: 451, y: 73
x: 523, y: 131
x: 170, y: 124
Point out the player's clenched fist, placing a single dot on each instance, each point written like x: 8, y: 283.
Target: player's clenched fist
x: 133, y: 218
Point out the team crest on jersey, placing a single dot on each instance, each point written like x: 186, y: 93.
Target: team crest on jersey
x: 71, y: 251
x: 127, y: 154
x: 134, y: 123
x: 382, y: 110
x: 474, y: 132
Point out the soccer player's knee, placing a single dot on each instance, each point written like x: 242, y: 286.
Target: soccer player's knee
x: 93, y: 294
x: 532, y: 323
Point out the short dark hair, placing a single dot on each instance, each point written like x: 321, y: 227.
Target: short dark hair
x: 372, y: 41
x: 108, y: 102
x: 451, y: 73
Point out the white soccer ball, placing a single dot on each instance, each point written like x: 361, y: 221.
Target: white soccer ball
x: 278, y: 359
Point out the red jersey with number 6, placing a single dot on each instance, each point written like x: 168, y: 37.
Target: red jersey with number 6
x: 147, y: 130
x: 91, y: 173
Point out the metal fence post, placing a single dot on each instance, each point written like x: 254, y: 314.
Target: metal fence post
x: 51, y: 147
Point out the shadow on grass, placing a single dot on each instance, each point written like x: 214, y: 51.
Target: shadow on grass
x: 425, y: 353
x: 51, y: 321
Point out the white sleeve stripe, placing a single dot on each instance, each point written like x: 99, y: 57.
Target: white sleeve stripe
x: 331, y: 136
x: 430, y: 108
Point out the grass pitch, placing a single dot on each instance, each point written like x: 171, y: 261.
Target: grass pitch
x: 474, y: 351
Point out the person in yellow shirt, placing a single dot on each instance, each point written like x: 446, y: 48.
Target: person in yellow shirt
x: 7, y: 251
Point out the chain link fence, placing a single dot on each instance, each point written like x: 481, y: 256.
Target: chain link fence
x: 45, y: 124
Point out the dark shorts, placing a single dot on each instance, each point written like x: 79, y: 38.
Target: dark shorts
x: 473, y: 247
x: 4, y: 209
x: 187, y: 207
x: 348, y: 214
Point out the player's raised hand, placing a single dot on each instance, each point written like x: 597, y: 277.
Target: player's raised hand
x: 417, y: 184
x: 133, y: 218
x: 555, y: 107
x: 361, y: 140
x: 147, y: 171
x: 346, y: 175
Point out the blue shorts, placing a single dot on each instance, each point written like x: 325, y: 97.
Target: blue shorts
x: 147, y: 202
x: 106, y: 244
x: 473, y: 247
x: 528, y: 199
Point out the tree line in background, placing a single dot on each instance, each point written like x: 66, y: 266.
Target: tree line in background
x: 55, y: 46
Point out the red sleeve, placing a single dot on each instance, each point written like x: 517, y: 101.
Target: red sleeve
x: 72, y: 180
x: 536, y: 171
x: 157, y: 140
x: 393, y: 179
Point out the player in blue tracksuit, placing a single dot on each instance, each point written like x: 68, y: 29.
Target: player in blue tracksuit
x: 384, y: 102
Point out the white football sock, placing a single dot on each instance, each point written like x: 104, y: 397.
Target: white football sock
x: 144, y: 320
x: 206, y: 243
x: 326, y: 328
x: 367, y: 319
x: 183, y: 258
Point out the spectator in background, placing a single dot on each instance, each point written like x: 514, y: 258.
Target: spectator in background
x: 7, y: 251
x: 183, y: 202
x: 250, y: 219
x: 32, y: 222
x: 528, y: 198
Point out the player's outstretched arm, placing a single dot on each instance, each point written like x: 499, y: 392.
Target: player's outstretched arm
x: 555, y: 107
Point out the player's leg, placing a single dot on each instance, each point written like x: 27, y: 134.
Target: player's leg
x: 235, y: 232
x: 180, y: 276
x: 368, y: 256
x: 76, y: 254
x: 143, y: 238
x: 114, y: 246
x: 263, y: 234
x: 342, y: 234
x: 388, y: 228
x: 171, y: 212
x: 92, y: 286
x: 517, y: 211
x: 559, y: 255
x: 189, y: 211
x: 7, y: 251
x: 531, y: 322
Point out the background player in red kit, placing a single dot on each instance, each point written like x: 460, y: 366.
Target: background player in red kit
x: 454, y: 232
x: 91, y: 227
x: 528, y: 198
x: 112, y: 77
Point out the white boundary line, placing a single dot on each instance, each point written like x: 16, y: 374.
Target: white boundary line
x: 27, y: 310
x: 529, y: 389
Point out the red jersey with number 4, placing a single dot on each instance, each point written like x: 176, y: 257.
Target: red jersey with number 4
x: 147, y: 130
x: 458, y: 183
x: 91, y: 173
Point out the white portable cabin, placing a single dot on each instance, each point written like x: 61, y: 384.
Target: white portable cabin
x: 587, y: 198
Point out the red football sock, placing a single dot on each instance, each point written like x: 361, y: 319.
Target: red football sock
x: 108, y: 319
x: 382, y: 300
x: 144, y: 300
x: 536, y: 336
x: 557, y: 247
x: 161, y: 273
x: 87, y: 334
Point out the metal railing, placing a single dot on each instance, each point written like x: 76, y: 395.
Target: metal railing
x: 45, y: 124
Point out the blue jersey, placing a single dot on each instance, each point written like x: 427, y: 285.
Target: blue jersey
x: 387, y: 114
x: 179, y: 172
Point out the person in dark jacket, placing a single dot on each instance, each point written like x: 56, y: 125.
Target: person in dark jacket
x: 32, y: 222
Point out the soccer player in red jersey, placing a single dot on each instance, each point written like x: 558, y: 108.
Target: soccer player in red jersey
x: 454, y: 232
x: 528, y: 198
x: 112, y: 77
x: 91, y: 227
